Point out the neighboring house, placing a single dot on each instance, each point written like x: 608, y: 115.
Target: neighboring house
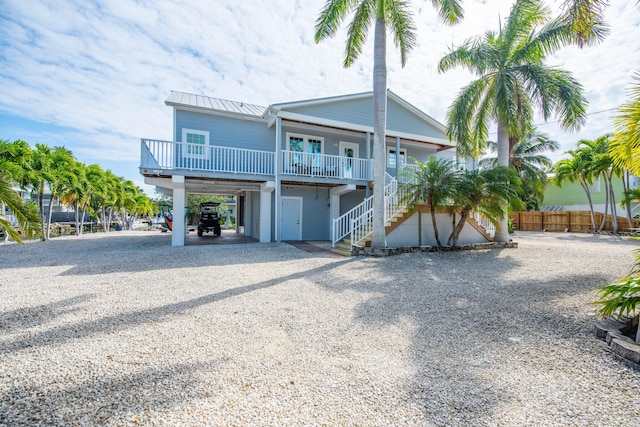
x: 297, y: 170
x: 572, y: 197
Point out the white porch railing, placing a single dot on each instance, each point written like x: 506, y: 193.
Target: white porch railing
x: 325, y: 166
x: 156, y: 154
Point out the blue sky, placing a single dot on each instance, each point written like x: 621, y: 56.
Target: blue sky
x: 93, y: 75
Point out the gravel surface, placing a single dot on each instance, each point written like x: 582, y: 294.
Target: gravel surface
x: 123, y: 329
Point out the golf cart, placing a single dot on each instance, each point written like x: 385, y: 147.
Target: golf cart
x: 209, y: 219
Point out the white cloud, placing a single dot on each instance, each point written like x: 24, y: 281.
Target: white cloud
x: 103, y: 69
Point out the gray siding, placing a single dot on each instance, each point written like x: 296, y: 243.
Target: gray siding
x: 360, y: 111
x: 331, y: 140
x: 315, y: 210
x: 351, y: 200
x: 227, y: 131
x: 403, y: 120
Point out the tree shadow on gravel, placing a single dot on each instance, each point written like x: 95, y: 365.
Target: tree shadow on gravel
x: 28, y: 317
x: 128, y: 253
x: 469, y: 322
x: 122, y: 399
x: 110, y: 324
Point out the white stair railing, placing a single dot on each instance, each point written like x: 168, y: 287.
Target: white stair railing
x: 484, y: 222
x: 358, y: 222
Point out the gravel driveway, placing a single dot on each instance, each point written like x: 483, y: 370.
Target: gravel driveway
x: 123, y: 329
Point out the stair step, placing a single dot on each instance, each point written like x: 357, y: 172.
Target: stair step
x: 342, y: 252
x: 344, y: 246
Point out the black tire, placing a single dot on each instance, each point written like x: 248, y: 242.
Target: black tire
x: 217, y: 231
x: 199, y: 232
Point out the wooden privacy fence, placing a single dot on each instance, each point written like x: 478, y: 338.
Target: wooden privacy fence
x: 566, y: 220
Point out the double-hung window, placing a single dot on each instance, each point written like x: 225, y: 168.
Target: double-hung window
x: 196, y: 144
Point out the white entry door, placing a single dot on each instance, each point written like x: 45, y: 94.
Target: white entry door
x: 291, y: 218
x: 349, y: 153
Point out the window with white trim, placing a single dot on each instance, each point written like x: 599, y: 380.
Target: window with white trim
x: 595, y: 187
x: 303, y: 148
x: 392, y: 157
x: 197, y: 142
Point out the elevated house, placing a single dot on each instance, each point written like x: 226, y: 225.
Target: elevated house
x: 297, y: 170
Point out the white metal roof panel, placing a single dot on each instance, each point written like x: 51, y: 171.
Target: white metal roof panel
x: 214, y: 104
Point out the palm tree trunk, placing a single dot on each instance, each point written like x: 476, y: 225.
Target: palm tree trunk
x: 502, y: 231
x: 585, y: 187
x: 625, y: 188
x: 84, y: 210
x: 76, y: 206
x: 464, y: 216
x: 42, y: 215
x: 606, y: 203
x: 48, y: 226
x: 614, y: 208
x: 379, y: 239
x: 435, y: 225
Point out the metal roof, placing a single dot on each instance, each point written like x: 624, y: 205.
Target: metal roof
x: 216, y: 104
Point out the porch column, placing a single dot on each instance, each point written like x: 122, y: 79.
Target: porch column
x: 334, y: 200
x: 179, y: 199
x: 265, y: 210
x: 397, y: 156
x: 278, y: 196
x: 368, y: 155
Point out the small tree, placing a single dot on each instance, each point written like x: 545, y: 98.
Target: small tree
x: 621, y: 299
x: 431, y: 183
x: 488, y: 191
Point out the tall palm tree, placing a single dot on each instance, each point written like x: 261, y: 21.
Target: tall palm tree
x: 578, y: 169
x: 488, y: 191
x: 432, y: 183
x: 602, y: 166
x: 60, y: 178
x: 397, y: 15
x: 586, y: 20
x: 13, y: 157
x: 625, y: 145
x: 529, y: 160
x: 513, y: 81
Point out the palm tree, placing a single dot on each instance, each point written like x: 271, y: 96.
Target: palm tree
x: 586, y: 20
x: 625, y: 145
x: 60, y: 178
x: 578, y: 169
x: 399, y: 18
x: 531, y: 164
x: 13, y: 156
x: 431, y: 183
x: 487, y: 191
x: 513, y: 81
x: 602, y: 165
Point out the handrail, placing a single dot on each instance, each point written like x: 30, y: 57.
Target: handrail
x: 359, y: 220
x: 484, y: 222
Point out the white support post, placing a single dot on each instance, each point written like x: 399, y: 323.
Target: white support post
x: 334, y: 200
x: 368, y: 155
x: 179, y: 200
x: 398, y: 165
x: 265, y: 210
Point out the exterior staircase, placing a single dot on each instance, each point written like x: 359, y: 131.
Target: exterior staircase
x: 353, y: 230
x: 345, y: 246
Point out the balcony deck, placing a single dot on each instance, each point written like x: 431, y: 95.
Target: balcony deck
x: 168, y: 157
